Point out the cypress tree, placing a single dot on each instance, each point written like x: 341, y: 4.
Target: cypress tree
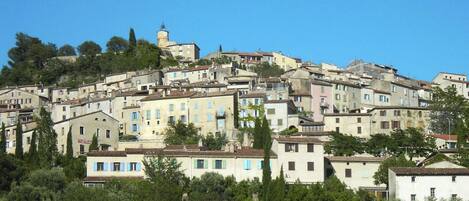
x: 258, y: 136
x: 3, y: 140
x: 277, y: 192
x: 19, y: 141
x: 47, y: 146
x: 132, y: 41
x: 33, y: 149
x: 94, y: 144
x: 266, y: 172
x: 69, y: 152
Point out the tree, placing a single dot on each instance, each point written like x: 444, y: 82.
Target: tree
x: 447, y: 107
x: 211, y: 186
x: 40, y: 185
x: 89, y: 48
x: 117, y: 45
x: 3, y: 140
x: 165, y: 174
x: 266, y: 172
x: 258, y: 135
x: 381, y: 176
x: 132, y: 40
x: 181, y: 133
x: 267, y: 70
x: 212, y: 142
x: 94, y: 146
x: 278, y: 187
x: 47, y: 143
x: 12, y: 170
x: 69, y: 152
x: 19, y: 141
x: 32, y: 153
x: 66, y: 50
x: 378, y: 145
x: 344, y: 145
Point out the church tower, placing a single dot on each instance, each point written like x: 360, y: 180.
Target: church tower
x: 162, y: 37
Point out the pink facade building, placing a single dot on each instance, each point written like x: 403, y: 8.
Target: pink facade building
x: 321, y: 99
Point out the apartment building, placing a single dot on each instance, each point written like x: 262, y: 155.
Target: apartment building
x: 346, y: 96
x: 356, y: 124
x: 321, y: 99
x: 185, y: 52
x: 401, y: 93
x: 18, y: 99
x: 278, y: 113
x: 251, y: 106
x: 389, y: 118
x: 458, y: 81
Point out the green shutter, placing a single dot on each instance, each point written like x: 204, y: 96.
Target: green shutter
x: 205, y: 164
x: 223, y: 164
x: 214, y: 164
x: 195, y: 163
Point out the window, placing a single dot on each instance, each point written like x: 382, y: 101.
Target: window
x: 271, y: 111
x: 82, y: 130
x: 412, y: 197
x: 171, y: 119
x: 359, y: 120
x: 171, y: 107
x: 247, y: 164
x: 397, y: 113
x: 359, y: 130
x: 432, y: 192
x: 157, y: 113
x: 420, y: 113
x: 412, y: 179
x: 310, y: 148
x: 116, y: 166
x: 218, y: 164
x: 396, y: 125
x: 134, y: 127
x: 385, y: 125
x: 200, y: 164
x: 337, y: 129
x: 209, y: 104
x: 148, y: 114
x: 291, y: 165
x: 134, y: 115
x: 183, y: 118
x: 279, y: 122
x: 82, y: 149
x: 409, y: 114
x: 209, y: 117
x: 337, y: 120
x: 367, y: 97
x: 337, y: 96
x: 348, y: 172
x: 63, y: 131
x: 64, y: 108
x: 97, y: 132
x: 454, y: 196
x: 453, y: 178
x: 394, y: 88
x: 256, y: 101
x: 108, y: 133
x: 382, y: 113
x: 291, y: 147
x: 133, y: 166
x: 183, y: 106
x: 297, y: 98
x: 99, y: 166
x: 310, y: 166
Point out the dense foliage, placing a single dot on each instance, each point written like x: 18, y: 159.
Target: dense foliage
x: 181, y: 133
x: 267, y: 70
x: 381, y: 176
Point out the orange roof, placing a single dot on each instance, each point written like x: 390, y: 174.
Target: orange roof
x: 445, y: 136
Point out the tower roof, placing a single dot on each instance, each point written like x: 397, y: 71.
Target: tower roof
x: 162, y: 27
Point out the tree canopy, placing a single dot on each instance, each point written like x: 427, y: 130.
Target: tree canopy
x: 181, y: 133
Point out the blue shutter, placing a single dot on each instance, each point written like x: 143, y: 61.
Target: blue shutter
x: 139, y: 166
x: 122, y: 167
x: 249, y: 164
x: 95, y: 167
x: 104, y: 166
x: 259, y: 165
x: 245, y: 164
x: 111, y: 167
x: 128, y: 166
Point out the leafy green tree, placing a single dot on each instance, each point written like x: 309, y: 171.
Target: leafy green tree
x: 447, y: 107
x: 40, y: 185
x: 266, y: 171
x: 148, y: 55
x: 117, y: 45
x: 258, y: 135
x: 89, y: 48
x: 69, y: 152
x: 167, y: 177
x: 3, y: 140
x: 266, y: 70
x: 132, y: 40
x: 214, y: 142
x: 381, y: 176
x: 211, y: 186
x: 47, y: 143
x: 94, y: 146
x: 75, y: 168
x: 378, y: 145
x: 344, y: 145
x: 66, y: 50
x: 12, y: 170
x: 19, y: 141
x: 181, y: 133
x: 246, y: 189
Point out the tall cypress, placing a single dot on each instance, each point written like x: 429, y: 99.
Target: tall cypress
x: 258, y: 136
x: 19, y: 141
x: 47, y: 146
x: 94, y: 144
x: 132, y: 41
x: 266, y: 172
x: 69, y: 153
x: 3, y: 140
x: 33, y: 158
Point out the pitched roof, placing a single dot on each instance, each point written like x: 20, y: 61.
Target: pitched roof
x: 411, y: 171
x: 298, y: 139
x: 445, y: 136
x: 355, y: 159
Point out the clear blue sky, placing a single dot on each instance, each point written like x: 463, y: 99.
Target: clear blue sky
x: 419, y: 37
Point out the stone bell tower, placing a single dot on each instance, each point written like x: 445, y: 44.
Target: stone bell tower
x: 162, y: 37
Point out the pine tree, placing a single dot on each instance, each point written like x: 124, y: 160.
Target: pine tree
x: 19, y: 141
x: 33, y: 158
x: 47, y: 143
x: 132, y: 41
x: 266, y: 172
x: 69, y: 153
x: 94, y: 144
x: 258, y: 136
x: 3, y: 140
